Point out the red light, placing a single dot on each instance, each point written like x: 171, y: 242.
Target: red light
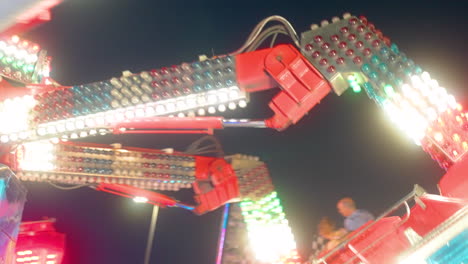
x: 352, y: 37
x: 39, y: 243
x: 334, y: 38
x: 359, y: 44
x: 350, y: 52
x: 332, y: 53
x: 353, y: 21
x: 342, y: 45
x: 357, y: 60
x: 325, y: 45
x: 315, y: 55
x: 323, y: 62
x: 344, y: 30
x: 376, y: 43
x: 331, y: 69
x: 367, y: 52
x: 318, y: 39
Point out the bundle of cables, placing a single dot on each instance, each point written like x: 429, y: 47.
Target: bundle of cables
x: 259, y: 34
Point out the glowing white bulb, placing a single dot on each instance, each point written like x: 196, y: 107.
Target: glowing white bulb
x: 41, y: 131
x: 201, y: 112
x: 149, y: 111
x: 212, y: 99
x: 211, y: 110
x: 100, y: 120
x: 223, y: 96
x: 129, y: 114
x: 221, y: 108
x: 181, y: 105
x: 160, y: 109
x: 171, y: 107
x: 242, y: 103
x: 139, y: 112
x: 79, y: 124
x: 232, y: 106
x: 70, y: 126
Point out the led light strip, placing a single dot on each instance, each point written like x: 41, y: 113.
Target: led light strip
x: 71, y: 164
x: 351, y: 52
x: 202, y: 103
x: 22, y: 61
x: 253, y: 176
x: 270, y: 236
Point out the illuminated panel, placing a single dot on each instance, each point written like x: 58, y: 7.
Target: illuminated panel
x: 192, y: 89
x: 454, y: 252
x: 74, y: 164
x: 22, y: 61
x: 270, y: 237
x: 252, y: 175
x: 352, y: 53
x: 39, y: 243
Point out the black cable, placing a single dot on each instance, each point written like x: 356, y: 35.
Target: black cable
x: 196, y: 147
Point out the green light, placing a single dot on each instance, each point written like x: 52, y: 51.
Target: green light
x: 28, y: 68
x: 354, y: 84
x: 389, y: 90
x: 375, y: 59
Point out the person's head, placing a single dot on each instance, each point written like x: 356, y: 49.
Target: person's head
x: 326, y: 227
x: 346, y: 206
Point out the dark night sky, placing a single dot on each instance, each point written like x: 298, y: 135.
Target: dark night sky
x: 344, y: 147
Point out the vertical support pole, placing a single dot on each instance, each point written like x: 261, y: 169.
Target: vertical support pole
x: 152, y: 230
x: 222, y: 233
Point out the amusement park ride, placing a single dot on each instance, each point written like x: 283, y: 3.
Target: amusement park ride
x: 40, y: 120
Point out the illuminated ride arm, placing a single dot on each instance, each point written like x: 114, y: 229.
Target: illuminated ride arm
x: 343, y: 53
x: 213, y: 180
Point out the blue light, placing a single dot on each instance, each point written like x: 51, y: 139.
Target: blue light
x: 454, y: 252
x: 395, y: 49
x: 2, y: 189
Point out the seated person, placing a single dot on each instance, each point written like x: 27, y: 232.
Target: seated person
x: 328, y: 238
x: 355, y: 218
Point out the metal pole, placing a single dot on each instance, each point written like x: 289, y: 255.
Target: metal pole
x: 152, y: 229
x: 222, y: 233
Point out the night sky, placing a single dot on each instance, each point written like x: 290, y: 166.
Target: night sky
x: 344, y: 147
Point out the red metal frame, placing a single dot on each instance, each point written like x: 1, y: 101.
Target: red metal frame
x: 173, y: 125
x: 154, y: 198
x: 455, y: 182
x: 31, y: 17
x: 302, y: 85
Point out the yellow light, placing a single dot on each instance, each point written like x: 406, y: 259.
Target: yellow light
x: 465, y: 145
x: 438, y: 136
x: 456, y: 137
x: 15, y: 39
